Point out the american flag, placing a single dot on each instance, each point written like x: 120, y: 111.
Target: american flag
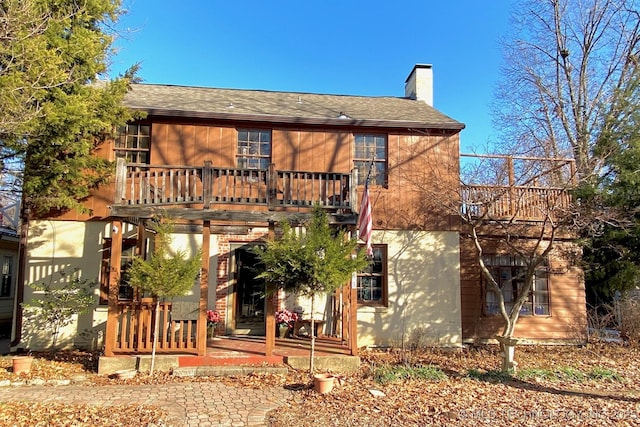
x: 365, y: 225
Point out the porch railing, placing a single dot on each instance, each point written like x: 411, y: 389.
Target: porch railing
x: 145, y: 185
x: 136, y: 324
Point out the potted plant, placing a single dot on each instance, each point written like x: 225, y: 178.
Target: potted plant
x: 213, y: 317
x: 285, y: 320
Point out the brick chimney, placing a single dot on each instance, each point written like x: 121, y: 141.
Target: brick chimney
x: 419, y: 84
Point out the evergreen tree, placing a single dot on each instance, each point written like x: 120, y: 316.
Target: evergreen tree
x: 310, y: 262
x: 612, y: 251
x: 166, y: 274
x: 54, y: 109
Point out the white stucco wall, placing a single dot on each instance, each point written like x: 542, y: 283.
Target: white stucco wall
x: 423, y: 278
x: 67, y: 245
x: 424, y: 290
x: 54, y: 246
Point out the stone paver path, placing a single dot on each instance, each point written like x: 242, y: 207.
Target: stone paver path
x: 189, y: 404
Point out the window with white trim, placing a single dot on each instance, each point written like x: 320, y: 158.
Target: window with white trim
x: 254, y: 149
x: 372, y: 281
x: 509, y: 272
x: 368, y: 149
x: 133, y: 142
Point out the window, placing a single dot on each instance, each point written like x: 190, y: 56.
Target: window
x: 7, y: 276
x: 132, y: 143
x: 254, y: 149
x: 125, y: 291
x: 509, y: 273
x: 372, y: 282
x: 370, y: 148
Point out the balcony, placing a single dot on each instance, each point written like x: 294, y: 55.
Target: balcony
x: 540, y: 192
x: 210, y: 192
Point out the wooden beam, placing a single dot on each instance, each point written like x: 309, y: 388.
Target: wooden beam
x: 204, y: 289
x: 256, y: 217
x: 114, y: 279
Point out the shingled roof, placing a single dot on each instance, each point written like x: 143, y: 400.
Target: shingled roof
x: 286, y: 107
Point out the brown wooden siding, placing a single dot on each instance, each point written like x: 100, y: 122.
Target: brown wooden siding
x: 567, y: 298
x: 413, y: 158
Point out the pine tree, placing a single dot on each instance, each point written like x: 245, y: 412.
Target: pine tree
x: 54, y: 109
x: 165, y: 275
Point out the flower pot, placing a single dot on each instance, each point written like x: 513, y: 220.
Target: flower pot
x: 283, y: 330
x: 211, y: 331
x: 323, y: 383
x: 22, y: 364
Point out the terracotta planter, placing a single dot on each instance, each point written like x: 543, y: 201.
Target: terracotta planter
x: 323, y: 383
x: 22, y: 364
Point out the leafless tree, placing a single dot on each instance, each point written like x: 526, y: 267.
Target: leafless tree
x: 567, y: 69
x: 521, y: 217
x: 514, y: 206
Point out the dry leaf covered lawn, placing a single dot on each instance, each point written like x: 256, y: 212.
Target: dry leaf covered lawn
x: 556, y: 386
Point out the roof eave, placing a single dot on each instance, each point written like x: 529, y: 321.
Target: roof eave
x: 347, y: 122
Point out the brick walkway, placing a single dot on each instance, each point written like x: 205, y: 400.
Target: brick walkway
x: 189, y: 404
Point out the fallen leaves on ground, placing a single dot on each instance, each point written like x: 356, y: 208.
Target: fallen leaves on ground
x: 463, y: 401
x: 456, y: 400
x: 54, y: 414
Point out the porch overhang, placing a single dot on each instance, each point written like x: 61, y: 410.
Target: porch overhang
x: 242, y: 217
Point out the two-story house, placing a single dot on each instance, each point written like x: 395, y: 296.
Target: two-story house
x: 228, y: 166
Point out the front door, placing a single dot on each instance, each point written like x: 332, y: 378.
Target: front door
x: 249, y: 305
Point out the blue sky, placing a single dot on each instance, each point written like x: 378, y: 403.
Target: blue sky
x: 337, y: 47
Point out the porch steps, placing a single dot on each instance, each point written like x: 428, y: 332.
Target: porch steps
x: 334, y: 363
x: 227, y: 371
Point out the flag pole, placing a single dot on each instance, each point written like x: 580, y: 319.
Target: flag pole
x: 365, y: 223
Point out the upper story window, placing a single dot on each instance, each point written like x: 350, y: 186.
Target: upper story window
x: 371, y: 148
x: 509, y: 273
x: 254, y: 149
x: 372, y: 281
x: 132, y: 143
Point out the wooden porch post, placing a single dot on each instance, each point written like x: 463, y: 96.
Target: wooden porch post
x: 344, y: 311
x: 204, y: 288
x: 353, y: 320
x: 114, y: 278
x: 270, y: 324
x: 353, y: 314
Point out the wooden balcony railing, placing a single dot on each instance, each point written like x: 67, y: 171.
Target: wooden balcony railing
x: 150, y: 185
x: 532, y: 188
x: 518, y: 202
x: 135, y: 326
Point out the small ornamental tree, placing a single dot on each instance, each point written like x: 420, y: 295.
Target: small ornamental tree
x: 60, y: 302
x: 166, y: 274
x: 314, y: 261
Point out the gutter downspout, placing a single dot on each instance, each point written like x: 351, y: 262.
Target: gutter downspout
x: 22, y: 265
